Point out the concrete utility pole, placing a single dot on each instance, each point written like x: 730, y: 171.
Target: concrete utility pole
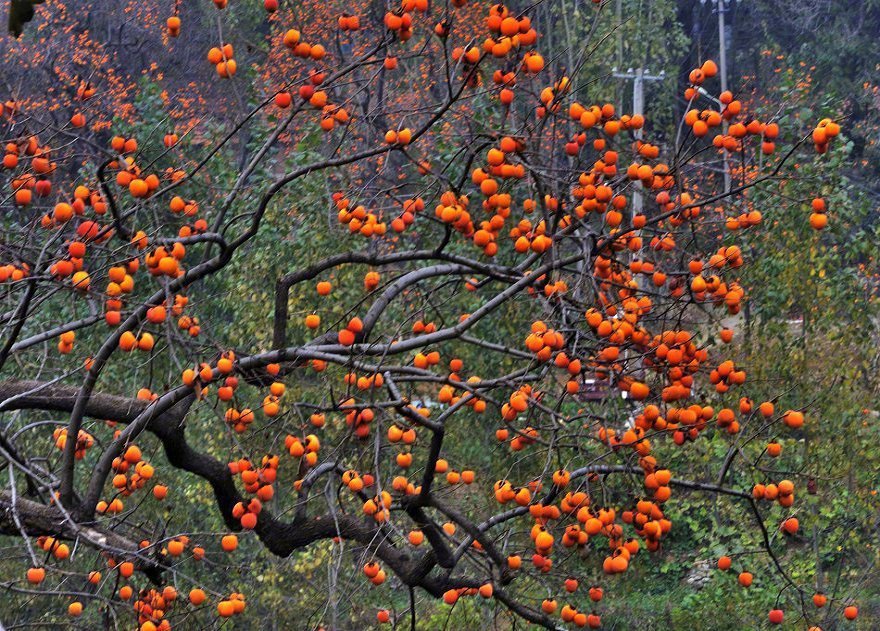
x: 618, y: 17
x: 638, y: 77
x: 722, y: 44
x: 722, y: 70
x: 720, y: 7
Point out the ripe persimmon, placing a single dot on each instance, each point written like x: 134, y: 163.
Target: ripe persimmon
x: 35, y: 575
x: 229, y: 543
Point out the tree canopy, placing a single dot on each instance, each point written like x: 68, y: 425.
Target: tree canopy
x: 321, y: 315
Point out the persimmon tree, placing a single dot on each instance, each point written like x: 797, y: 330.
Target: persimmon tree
x: 513, y: 265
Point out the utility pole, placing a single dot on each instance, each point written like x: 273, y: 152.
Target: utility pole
x: 722, y: 44
x: 722, y: 62
x: 618, y: 17
x: 638, y: 77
